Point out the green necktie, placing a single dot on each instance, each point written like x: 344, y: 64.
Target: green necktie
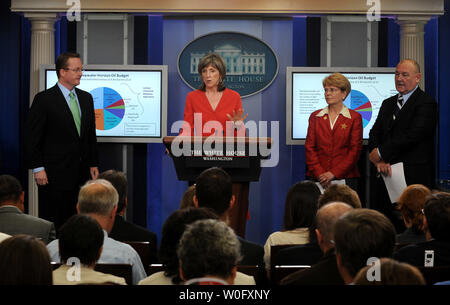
x: 75, y: 111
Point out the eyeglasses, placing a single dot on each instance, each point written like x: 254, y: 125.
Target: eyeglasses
x: 331, y: 90
x: 77, y: 70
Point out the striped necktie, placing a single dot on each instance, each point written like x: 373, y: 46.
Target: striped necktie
x: 399, y: 105
x: 75, y: 111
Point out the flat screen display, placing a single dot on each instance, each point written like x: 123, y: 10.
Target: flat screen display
x: 130, y: 102
x: 305, y: 94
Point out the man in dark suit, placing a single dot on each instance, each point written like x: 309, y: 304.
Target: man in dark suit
x: 12, y: 219
x: 404, y: 131
x: 213, y: 189
x: 123, y: 230
x: 60, y: 141
x: 360, y: 236
x: 325, y: 272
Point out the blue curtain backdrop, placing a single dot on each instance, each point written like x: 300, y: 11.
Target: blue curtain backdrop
x: 444, y: 93
x: 14, y: 90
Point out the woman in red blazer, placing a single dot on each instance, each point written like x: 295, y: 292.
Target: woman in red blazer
x: 209, y: 108
x: 334, y: 139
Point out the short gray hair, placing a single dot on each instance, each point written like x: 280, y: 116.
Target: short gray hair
x: 208, y: 247
x: 97, y: 197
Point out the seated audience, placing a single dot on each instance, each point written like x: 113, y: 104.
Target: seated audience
x: 299, y: 212
x: 359, y: 235
x: 13, y: 221
x: 208, y: 252
x: 214, y: 190
x: 123, y: 230
x: 80, y: 243
x: 98, y: 199
x: 325, y: 272
x: 188, y: 198
x: 436, y: 225
x: 340, y: 193
x: 410, y: 204
x: 172, y: 230
x: 390, y: 272
x: 24, y: 260
x: 171, y: 233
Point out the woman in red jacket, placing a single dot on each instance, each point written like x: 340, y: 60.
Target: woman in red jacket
x: 334, y: 139
x: 209, y: 108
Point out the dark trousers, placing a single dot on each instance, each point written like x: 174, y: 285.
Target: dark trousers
x: 57, y: 205
x: 380, y: 201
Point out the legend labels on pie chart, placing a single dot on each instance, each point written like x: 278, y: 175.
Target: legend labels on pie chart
x: 109, y: 108
x: 361, y: 104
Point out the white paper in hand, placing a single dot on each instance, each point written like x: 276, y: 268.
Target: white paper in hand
x: 396, y: 183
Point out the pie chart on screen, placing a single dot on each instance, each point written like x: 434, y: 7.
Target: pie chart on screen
x: 109, y: 108
x: 359, y: 102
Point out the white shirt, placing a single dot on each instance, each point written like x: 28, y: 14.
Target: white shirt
x: 114, y: 252
x: 299, y: 236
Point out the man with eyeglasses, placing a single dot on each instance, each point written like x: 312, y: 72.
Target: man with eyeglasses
x: 60, y: 141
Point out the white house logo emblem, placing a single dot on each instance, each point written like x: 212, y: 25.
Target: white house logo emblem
x: 251, y: 63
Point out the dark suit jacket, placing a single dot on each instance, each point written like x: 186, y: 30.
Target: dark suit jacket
x: 52, y: 140
x: 252, y: 253
x: 13, y: 222
x: 127, y: 231
x: 415, y: 254
x: 410, y: 138
x: 308, y: 254
x: 325, y: 272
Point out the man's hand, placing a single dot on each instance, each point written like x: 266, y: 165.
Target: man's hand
x: 384, y: 168
x: 41, y: 177
x: 326, y: 178
x: 94, y: 172
x: 374, y: 157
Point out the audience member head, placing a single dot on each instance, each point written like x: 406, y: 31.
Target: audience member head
x: 172, y: 231
x: 391, y: 272
x: 120, y: 183
x: 188, y: 198
x: 209, y: 248
x: 214, y: 190
x: 411, y: 203
x: 301, y: 205
x: 341, y: 193
x: 326, y: 219
x: 11, y: 192
x: 81, y: 237
x: 437, y: 217
x: 361, y: 234
x: 24, y: 260
x: 98, y: 199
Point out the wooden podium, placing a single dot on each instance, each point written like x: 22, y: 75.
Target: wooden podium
x: 240, y: 157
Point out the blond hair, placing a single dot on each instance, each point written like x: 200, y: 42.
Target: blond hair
x: 338, y: 80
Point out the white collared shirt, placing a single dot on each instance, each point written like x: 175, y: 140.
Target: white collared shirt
x: 344, y: 111
x: 407, y: 95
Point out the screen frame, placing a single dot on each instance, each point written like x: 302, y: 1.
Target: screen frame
x: 164, y: 84
x: 291, y: 70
